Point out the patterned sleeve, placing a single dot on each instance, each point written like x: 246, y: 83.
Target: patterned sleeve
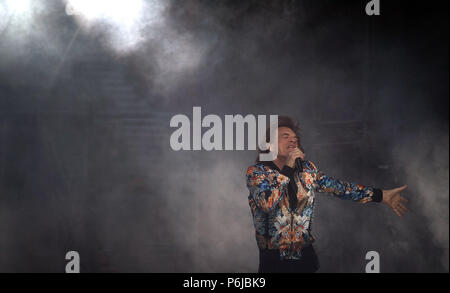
x: 345, y: 190
x: 266, y: 188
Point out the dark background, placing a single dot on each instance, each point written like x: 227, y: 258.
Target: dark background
x: 85, y: 160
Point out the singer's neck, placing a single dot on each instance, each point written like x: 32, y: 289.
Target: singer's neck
x: 280, y: 162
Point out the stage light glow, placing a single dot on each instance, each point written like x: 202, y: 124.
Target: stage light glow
x: 123, y: 20
x: 13, y: 9
x: 127, y: 25
x: 18, y: 7
x: 16, y: 15
x: 4, y: 17
x: 120, y: 12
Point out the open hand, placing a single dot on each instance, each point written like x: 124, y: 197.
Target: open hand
x: 394, y: 200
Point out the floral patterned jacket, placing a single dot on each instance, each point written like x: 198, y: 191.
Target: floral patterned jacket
x: 288, y: 229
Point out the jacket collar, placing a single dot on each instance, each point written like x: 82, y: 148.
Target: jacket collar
x: 270, y: 165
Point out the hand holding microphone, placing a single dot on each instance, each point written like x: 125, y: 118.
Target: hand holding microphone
x: 295, y: 158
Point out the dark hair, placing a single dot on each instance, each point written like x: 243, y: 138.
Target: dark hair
x: 283, y: 121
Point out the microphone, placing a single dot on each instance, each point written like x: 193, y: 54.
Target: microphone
x: 298, y: 165
x: 298, y: 161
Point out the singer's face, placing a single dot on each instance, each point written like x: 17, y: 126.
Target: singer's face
x: 287, y: 141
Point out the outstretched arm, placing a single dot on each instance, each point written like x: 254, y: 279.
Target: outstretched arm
x: 361, y: 193
x: 347, y: 190
x: 342, y: 189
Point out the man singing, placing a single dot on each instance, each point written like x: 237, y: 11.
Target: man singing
x: 282, y: 203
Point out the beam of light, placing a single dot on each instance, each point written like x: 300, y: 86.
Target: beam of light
x: 58, y: 68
